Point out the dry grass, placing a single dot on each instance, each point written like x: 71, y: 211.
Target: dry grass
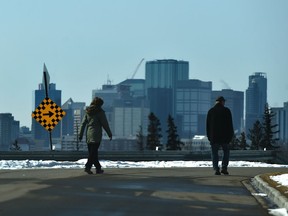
x: 282, y: 189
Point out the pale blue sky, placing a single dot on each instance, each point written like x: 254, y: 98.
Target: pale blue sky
x: 84, y: 42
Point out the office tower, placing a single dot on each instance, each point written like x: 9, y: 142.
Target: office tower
x: 108, y: 93
x: 165, y: 73
x: 161, y: 78
x: 137, y: 87
x: 193, y: 100
x: 39, y: 133
x: 9, y: 131
x: 281, y: 119
x: 73, y: 118
x: 235, y: 102
x: 256, y: 98
x: 125, y: 109
x: 24, y: 130
x: 128, y: 116
x: 15, y: 129
x: 130, y: 109
x: 71, y: 125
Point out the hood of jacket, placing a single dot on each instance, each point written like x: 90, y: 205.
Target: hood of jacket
x: 92, y: 109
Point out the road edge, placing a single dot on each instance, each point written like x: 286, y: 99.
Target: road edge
x: 273, y: 194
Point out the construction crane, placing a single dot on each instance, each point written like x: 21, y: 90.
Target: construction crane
x: 136, y: 69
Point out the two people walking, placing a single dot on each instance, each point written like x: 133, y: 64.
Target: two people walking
x: 219, y: 129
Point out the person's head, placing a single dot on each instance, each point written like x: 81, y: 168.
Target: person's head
x: 221, y: 100
x: 95, y: 106
x: 97, y: 102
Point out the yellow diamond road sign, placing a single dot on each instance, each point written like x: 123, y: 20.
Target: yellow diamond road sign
x: 48, y: 114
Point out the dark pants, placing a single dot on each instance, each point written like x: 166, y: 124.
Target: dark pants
x: 215, y: 157
x: 93, y: 156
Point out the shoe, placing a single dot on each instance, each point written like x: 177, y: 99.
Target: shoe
x: 217, y: 172
x: 225, y: 172
x: 88, y: 171
x: 99, y: 171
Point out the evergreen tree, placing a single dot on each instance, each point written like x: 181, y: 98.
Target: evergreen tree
x: 243, y: 142
x: 15, y: 146
x: 256, y: 136
x: 140, y: 138
x: 235, y: 143
x: 154, y: 132
x: 268, y: 141
x: 173, y: 141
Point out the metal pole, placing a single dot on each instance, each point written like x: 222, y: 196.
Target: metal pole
x: 50, y: 138
x: 77, y: 137
x: 46, y: 94
x: 45, y: 83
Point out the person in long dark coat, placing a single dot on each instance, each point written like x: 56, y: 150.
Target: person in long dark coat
x: 94, y: 120
x: 219, y: 129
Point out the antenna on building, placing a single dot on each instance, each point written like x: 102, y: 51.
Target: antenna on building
x: 108, y: 80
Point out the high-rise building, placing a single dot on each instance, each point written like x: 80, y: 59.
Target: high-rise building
x: 108, y: 93
x: 137, y: 87
x: 256, y: 99
x: 126, y: 110
x: 161, y: 78
x: 128, y: 116
x: 165, y: 73
x: 9, y: 130
x: 71, y: 125
x: 39, y: 133
x: 281, y: 119
x: 73, y: 118
x: 193, y: 100
x: 235, y: 102
x: 162, y: 105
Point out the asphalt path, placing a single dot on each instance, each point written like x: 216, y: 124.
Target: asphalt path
x: 131, y: 192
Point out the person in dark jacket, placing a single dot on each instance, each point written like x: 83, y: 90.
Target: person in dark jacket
x: 94, y: 120
x: 219, y: 129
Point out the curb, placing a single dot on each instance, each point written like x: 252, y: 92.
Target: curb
x: 272, y: 193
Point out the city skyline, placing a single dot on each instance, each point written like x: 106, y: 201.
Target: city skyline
x: 85, y: 44
x: 108, y: 82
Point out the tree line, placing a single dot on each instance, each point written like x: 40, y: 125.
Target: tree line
x: 260, y: 135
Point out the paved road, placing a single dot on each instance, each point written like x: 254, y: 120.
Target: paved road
x: 131, y: 192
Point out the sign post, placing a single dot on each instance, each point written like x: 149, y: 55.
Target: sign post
x: 48, y: 113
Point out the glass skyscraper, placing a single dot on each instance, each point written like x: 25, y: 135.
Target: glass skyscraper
x: 9, y: 130
x: 193, y: 100
x: 161, y: 78
x: 280, y: 119
x: 165, y: 73
x: 256, y: 99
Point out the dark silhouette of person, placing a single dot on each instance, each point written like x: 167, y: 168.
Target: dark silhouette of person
x: 219, y: 129
x: 94, y: 120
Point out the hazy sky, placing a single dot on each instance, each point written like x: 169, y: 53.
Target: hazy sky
x: 84, y: 42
